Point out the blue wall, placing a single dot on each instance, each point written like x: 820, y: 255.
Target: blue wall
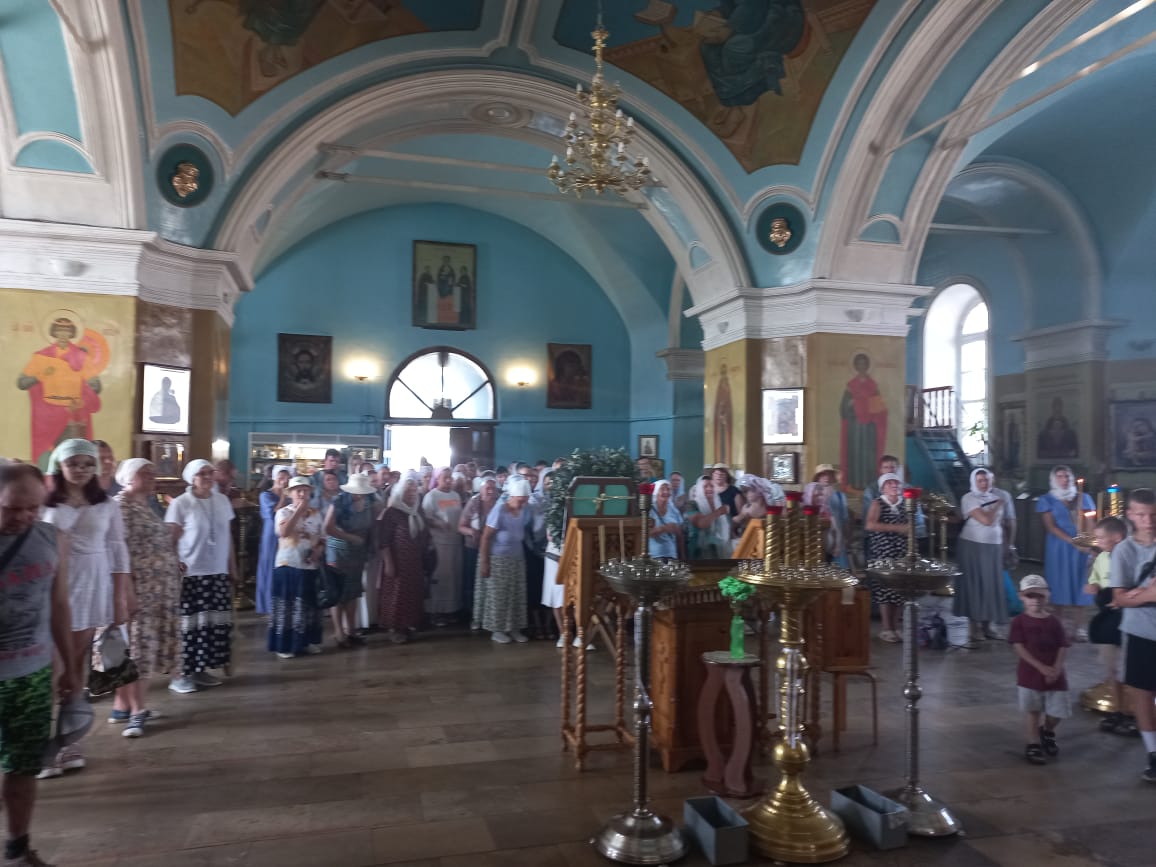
x: 352, y: 280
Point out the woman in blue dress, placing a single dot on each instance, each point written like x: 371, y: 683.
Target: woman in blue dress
x: 1065, y: 564
x: 270, y: 501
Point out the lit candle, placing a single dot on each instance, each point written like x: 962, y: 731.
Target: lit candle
x: 602, y: 544
x: 622, y: 540
x: 1099, y: 505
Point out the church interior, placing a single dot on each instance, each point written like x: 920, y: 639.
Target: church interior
x: 819, y: 233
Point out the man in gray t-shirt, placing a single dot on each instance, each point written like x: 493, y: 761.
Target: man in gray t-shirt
x: 34, y: 615
x: 1134, y: 592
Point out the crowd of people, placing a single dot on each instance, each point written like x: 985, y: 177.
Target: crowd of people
x: 88, y: 547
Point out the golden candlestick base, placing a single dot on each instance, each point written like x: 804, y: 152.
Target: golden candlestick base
x: 789, y: 824
x: 1099, y: 698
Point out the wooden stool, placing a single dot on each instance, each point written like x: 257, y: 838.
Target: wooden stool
x: 729, y: 776
x: 839, y: 703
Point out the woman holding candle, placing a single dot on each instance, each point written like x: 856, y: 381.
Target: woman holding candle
x: 1065, y: 562
x: 980, y: 593
x: 887, y: 523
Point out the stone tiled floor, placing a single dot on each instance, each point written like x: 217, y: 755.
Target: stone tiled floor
x: 445, y: 753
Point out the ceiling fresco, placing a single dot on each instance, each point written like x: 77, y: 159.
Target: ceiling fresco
x: 753, y: 71
x: 232, y: 52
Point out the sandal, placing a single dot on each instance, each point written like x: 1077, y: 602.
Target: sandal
x: 1035, y: 754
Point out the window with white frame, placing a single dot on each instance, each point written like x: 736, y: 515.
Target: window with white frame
x: 957, y: 321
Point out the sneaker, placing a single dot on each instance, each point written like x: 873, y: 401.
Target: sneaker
x: 578, y: 643
x: 1048, y: 742
x: 182, y: 685
x: 121, y: 716
x: 500, y: 638
x: 561, y: 642
x: 285, y: 655
x: 519, y: 636
x: 71, y: 759
x: 28, y: 859
x: 313, y: 649
x: 50, y: 772
x: 1149, y: 775
x: 135, y: 726
x: 1035, y: 754
x: 890, y: 636
x: 203, y: 678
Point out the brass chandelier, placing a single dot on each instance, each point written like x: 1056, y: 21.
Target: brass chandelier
x: 597, y: 155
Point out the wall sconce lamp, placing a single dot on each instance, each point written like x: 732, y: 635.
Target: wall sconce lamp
x: 520, y: 376
x: 361, y: 369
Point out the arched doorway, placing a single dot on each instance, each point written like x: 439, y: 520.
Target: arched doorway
x: 441, y: 406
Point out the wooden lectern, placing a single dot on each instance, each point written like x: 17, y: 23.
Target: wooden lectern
x: 602, y: 523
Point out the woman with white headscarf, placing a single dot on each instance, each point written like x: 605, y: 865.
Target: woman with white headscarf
x: 887, y: 523
x: 199, y: 519
x: 759, y: 494
x: 979, y: 594
x: 665, y: 522
x: 708, y: 523
x: 470, y: 526
x: 404, y: 539
x: 92, y: 532
x: 442, y: 507
x: 502, y: 564
x: 269, y: 502
x: 1065, y: 564
x: 156, y: 581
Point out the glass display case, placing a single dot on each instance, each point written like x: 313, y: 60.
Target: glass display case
x: 306, y: 452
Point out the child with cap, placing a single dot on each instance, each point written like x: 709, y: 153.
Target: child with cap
x: 1041, y: 644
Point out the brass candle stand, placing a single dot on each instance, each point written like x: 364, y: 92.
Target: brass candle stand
x: 911, y: 577
x: 639, y: 835
x: 789, y: 824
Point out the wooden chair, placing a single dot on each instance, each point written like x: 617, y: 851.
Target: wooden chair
x: 845, y: 652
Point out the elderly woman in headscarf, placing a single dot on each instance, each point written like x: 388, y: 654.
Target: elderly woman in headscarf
x: 758, y: 495
x: 404, y: 539
x: 502, y: 564
x: 665, y: 522
x: 156, y: 581
x: 91, y: 530
x: 269, y: 502
x: 823, y: 493
x: 709, y: 534
x: 1065, y: 563
x: 979, y: 594
x: 470, y: 525
x: 886, y: 523
x: 199, y: 520
x: 295, y: 620
x: 442, y: 507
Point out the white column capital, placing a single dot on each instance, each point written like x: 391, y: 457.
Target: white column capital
x: 1070, y: 343
x: 60, y: 257
x: 809, y: 307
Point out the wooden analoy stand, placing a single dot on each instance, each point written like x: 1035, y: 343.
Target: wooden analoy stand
x: 590, y: 606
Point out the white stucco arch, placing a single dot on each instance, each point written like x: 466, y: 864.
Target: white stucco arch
x: 946, y: 31
x: 375, y: 105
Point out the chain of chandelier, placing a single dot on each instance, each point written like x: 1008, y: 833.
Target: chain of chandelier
x: 598, y: 151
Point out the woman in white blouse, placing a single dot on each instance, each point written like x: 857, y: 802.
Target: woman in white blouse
x: 92, y: 532
x: 295, y: 619
x: 979, y: 594
x: 200, y: 520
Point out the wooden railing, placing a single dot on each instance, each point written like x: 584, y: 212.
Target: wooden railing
x: 931, y: 408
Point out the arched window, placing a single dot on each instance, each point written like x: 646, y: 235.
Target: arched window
x: 957, y: 321
x: 441, y: 384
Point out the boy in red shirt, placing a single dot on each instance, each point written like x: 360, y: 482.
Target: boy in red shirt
x: 1041, y: 644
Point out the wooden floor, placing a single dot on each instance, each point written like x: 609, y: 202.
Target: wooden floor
x: 445, y: 753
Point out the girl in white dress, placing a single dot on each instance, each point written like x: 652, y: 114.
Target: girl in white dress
x: 99, y: 590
